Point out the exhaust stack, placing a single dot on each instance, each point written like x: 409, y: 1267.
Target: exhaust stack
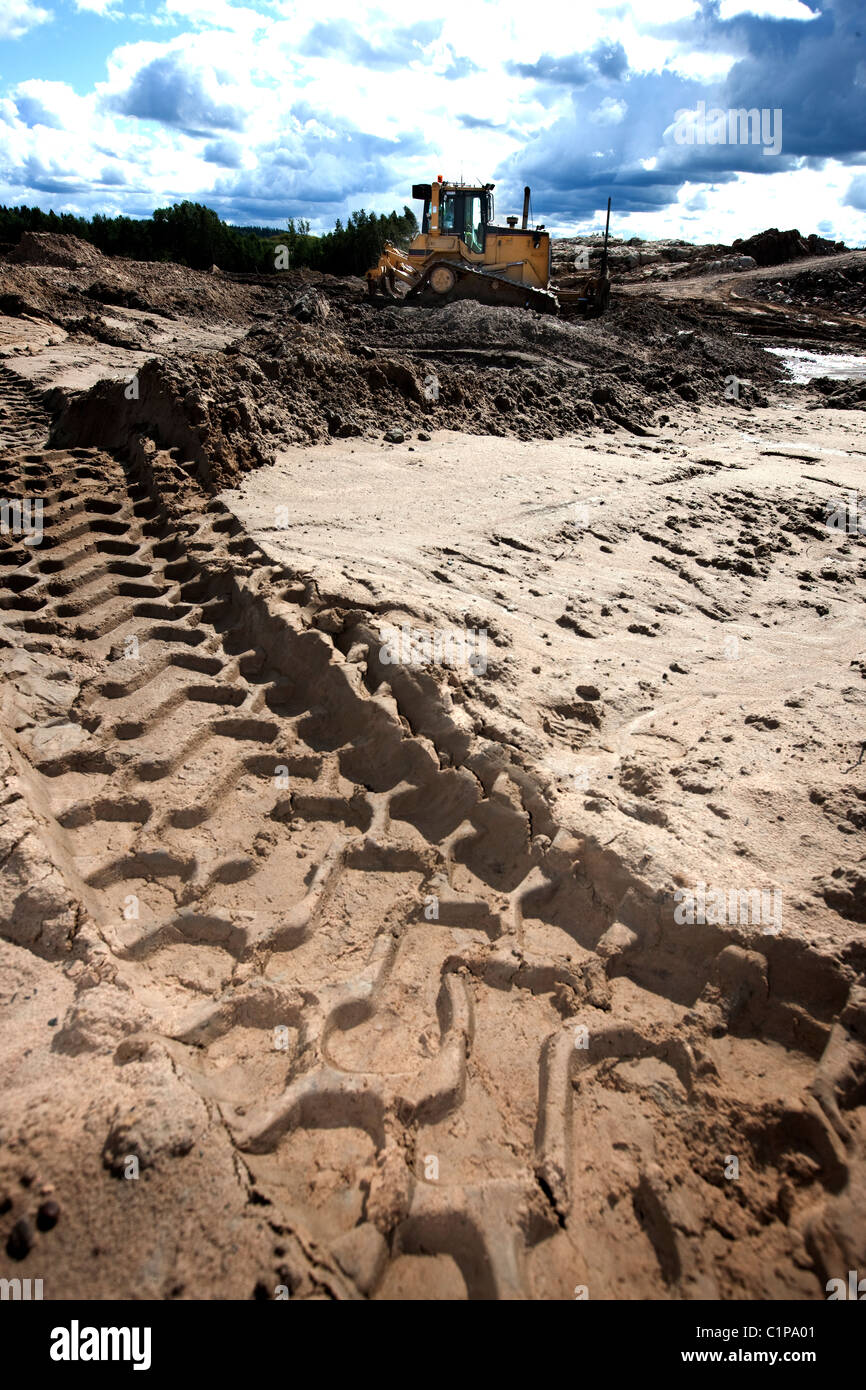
x: 604, y: 252
x: 525, y: 223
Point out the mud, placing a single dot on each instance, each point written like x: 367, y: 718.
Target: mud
x: 361, y: 371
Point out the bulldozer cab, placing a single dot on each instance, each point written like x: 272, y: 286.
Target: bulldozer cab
x: 466, y: 213
x: 456, y: 211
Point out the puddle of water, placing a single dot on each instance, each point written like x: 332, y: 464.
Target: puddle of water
x: 761, y: 441
x: 804, y: 365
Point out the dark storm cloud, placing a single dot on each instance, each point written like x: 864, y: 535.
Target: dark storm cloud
x: 817, y: 76
x: 813, y: 70
x: 606, y: 60
x: 166, y: 90
x: 338, y: 38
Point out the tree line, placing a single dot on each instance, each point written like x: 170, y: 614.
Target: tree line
x: 193, y: 235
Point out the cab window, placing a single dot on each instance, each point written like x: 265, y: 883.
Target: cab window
x: 473, y: 228
x: 461, y: 214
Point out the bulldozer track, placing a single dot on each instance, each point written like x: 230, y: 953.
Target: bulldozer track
x: 373, y: 963
x: 23, y: 420
x: 484, y: 286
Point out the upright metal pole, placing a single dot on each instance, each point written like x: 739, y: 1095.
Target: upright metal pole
x: 604, y: 252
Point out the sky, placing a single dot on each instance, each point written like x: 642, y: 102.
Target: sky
x: 271, y: 109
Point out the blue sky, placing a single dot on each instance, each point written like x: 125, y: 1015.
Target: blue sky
x: 269, y: 109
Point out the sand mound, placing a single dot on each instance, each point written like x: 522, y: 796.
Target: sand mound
x: 45, y: 248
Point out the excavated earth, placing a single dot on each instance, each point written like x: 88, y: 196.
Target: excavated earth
x: 331, y: 977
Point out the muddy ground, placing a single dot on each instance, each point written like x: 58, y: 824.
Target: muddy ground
x: 333, y: 972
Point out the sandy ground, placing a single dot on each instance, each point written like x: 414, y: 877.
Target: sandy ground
x: 688, y: 581
x: 48, y: 356
x: 331, y: 971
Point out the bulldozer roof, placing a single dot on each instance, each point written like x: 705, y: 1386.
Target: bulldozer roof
x: 422, y: 190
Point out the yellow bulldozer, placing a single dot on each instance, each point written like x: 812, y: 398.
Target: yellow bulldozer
x: 461, y: 253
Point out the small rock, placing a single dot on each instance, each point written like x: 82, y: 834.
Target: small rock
x: 616, y: 940
x: 763, y: 721
x: 48, y: 1215
x: 20, y: 1241
x: 310, y: 307
x: 394, y: 436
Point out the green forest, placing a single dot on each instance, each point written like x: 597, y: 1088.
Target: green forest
x: 193, y: 235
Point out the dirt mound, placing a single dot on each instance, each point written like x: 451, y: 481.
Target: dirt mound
x: 842, y: 288
x: 66, y: 289
x: 773, y: 247
x: 48, y: 248
x: 116, y: 295
x: 16, y: 306
x: 231, y: 411
x: 468, y: 366
x: 840, y: 395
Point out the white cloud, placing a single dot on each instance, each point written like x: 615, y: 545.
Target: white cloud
x: 52, y: 104
x: 609, y: 112
x: 18, y: 17
x: 108, y: 9
x: 701, y: 67
x: 217, y: 14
